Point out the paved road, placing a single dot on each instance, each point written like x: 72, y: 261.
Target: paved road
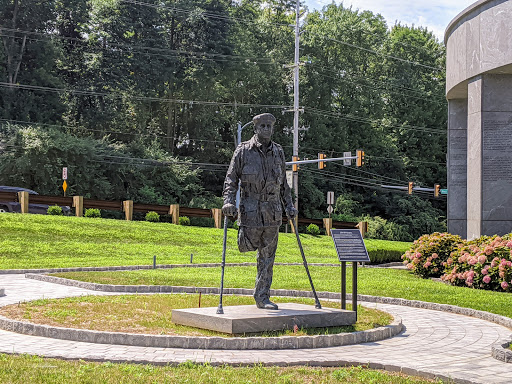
x: 439, y: 343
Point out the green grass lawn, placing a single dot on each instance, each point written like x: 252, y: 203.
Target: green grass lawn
x: 39, y: 241
x: 35, y: 370
x: 371, y: 281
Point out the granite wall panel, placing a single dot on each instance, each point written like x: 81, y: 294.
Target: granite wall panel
x: 457, y: 166
x: 474, y: 159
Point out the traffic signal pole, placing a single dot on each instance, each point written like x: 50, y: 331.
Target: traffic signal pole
x: 320, y: 160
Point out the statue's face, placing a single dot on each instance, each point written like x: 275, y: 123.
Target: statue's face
x: 264, y: 130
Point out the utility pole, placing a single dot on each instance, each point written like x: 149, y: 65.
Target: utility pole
x: 296, y: 103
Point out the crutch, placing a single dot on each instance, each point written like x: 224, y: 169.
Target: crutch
x: 317, y: 302
x: 220, y: 311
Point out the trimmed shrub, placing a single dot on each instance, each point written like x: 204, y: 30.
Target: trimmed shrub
x: 381, y: 256
x: 184, y: 220
x: 92, y: 212
x: 429, y: 253
x: 313, y: 229
x: 55, y: 210
x: 379, y: 228
x: 153, y: 217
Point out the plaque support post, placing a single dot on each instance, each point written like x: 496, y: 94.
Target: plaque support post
x: 343, y: 285
x: 354, y: 287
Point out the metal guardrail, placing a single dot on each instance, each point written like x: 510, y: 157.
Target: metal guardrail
x: 160, y: 209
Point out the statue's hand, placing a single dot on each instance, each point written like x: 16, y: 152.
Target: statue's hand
x: 291, y: 212
x: 229, y: 210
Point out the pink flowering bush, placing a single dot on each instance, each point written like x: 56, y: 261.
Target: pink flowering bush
x: 429, y: 252
x: 485, y: 263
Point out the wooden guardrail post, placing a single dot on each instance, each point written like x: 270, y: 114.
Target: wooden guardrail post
x: 217, y: 217
x: 174, y: 211
x: 78, y: 204
x: 23, y: 199
x: 363, y: 228
x: 296, y: 222
x: 128, y: 209
x: 328, y: 226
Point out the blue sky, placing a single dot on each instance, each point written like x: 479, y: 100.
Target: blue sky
x: 432, y: 14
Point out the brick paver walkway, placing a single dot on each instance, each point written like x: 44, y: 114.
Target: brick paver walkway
x: 435, y: 342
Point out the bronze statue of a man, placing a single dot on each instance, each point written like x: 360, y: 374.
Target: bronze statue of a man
x: 259, y: 165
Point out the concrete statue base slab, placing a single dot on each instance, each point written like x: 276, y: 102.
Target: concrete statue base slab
x: 249, y: 319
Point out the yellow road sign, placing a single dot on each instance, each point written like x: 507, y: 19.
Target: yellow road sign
x: 64, y: 185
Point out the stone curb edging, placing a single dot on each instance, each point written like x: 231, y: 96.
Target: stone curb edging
x: 493, y: 318
x: 202, y: 342
x: 119, y: 268
x: 502, y: 352
x: 164, y: 341
x: 170, y: 266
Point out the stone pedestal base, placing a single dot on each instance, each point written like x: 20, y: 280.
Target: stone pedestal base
x: 249, y: 319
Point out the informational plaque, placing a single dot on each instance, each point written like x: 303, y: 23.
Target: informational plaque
x: 349, y: 245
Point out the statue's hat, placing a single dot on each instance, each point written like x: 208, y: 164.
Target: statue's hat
x: 264, y: 117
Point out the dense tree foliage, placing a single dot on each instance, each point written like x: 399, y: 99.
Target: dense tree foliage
x: 142, y: 100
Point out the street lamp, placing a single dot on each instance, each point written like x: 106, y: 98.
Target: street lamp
x: 239, y: 131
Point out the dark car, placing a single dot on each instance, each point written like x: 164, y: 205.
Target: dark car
x: 14, y: 206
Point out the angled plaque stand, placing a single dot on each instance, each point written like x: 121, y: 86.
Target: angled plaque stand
x: 350, y: 247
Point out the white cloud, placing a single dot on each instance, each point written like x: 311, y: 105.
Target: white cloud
x: 435, y: 15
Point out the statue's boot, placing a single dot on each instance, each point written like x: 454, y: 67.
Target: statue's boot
x: 266, y: 304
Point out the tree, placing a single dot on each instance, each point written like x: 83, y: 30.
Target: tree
x: 28, y: 60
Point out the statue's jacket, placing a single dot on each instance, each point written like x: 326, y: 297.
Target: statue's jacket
x: 262, y: 173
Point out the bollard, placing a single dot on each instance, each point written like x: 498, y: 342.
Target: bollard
x: 191, y: 258
x: 154, y: 262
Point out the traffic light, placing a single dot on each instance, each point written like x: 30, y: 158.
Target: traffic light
x: 360, y: 158
x: 436, y: 190
x: 321, y: 164
x: 411, y: 184
x: 295, y: 167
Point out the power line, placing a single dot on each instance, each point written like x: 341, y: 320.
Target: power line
x: 205, y: 14
x: 382, y: 54
x: 167, y: 162
x: 367, y: 33
x: 398, y: 159
x: 385, y: 84
x: 230, y: 18
x: 370, y: 121
x: 372, y: 157
x: 376, y: 177
x: 80, y: 128
x: 148, y: 161
x: 345, y: 180
x: 134, y: 97
x: 378, y: 180
x: 383, y: 89
x: 164, y: 52
x: 215, y: 167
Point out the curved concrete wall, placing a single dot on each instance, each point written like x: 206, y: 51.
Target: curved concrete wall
x: 478, y: 40
x: 479, y: 93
